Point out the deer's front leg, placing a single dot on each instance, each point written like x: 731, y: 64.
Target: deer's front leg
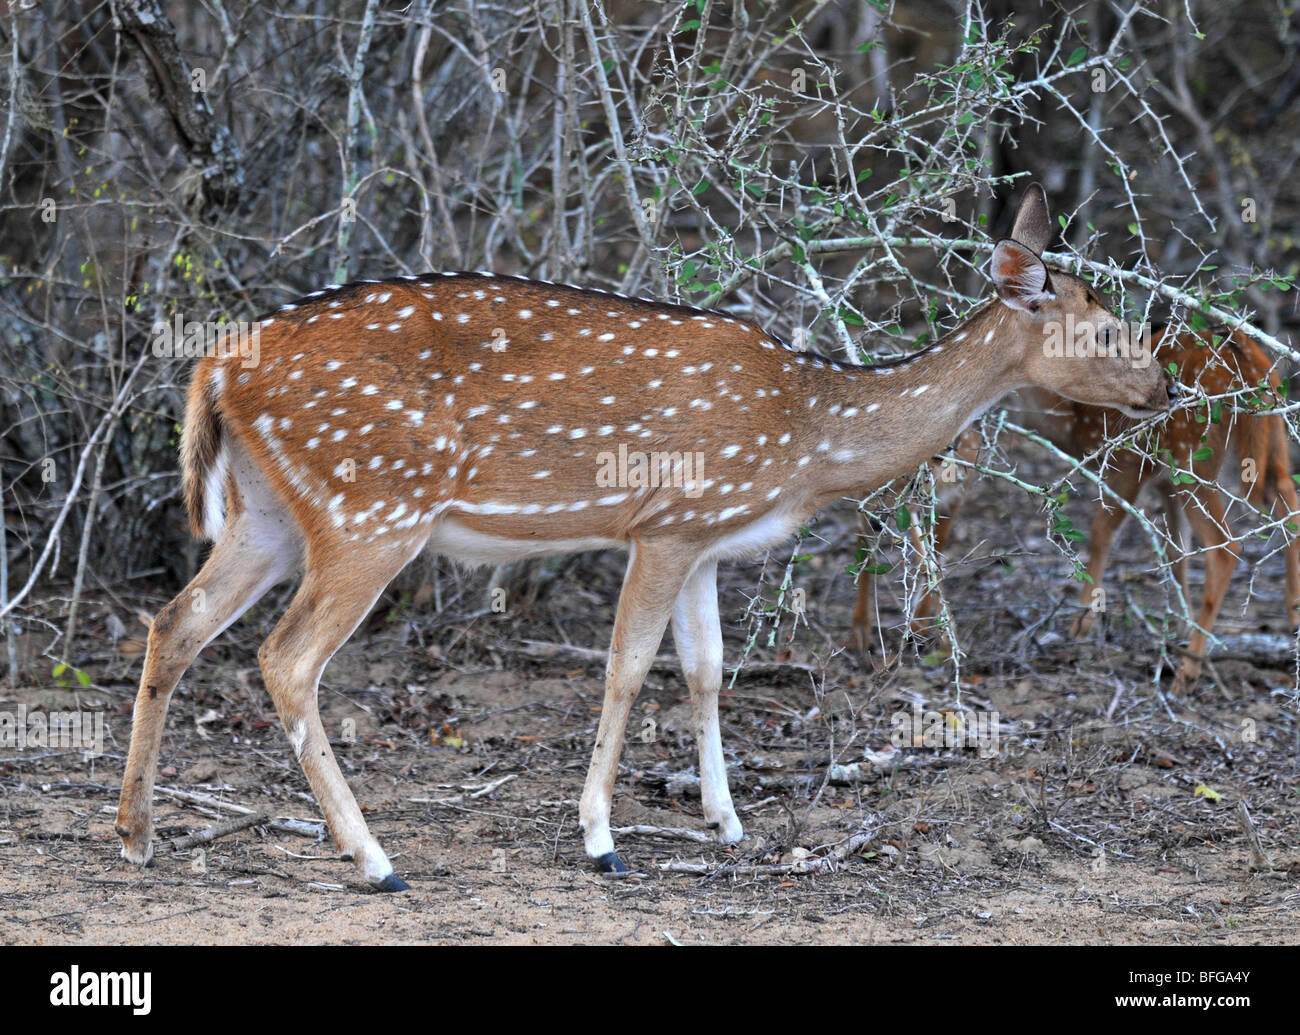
x: 655, y: 574
x: 1126, y: 481
x: 697, y: 631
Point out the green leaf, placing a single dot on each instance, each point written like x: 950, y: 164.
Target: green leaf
x: 903, y: 519
x: 59, y: 669
x: 1064, y: 527
x: 1076, y: 55
x: 83, y: 677
x: 1204, y: 453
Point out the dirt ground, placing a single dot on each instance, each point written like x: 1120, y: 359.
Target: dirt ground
x: 1110, y: 813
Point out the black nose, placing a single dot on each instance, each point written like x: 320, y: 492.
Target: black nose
x: 1171, y: 390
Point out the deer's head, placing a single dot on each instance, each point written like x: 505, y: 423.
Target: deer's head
x: 1073, y: 343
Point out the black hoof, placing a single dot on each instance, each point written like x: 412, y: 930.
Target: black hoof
x: 392, y: 883
x: 610, y: 863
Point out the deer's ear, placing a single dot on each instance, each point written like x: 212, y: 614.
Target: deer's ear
x: 1020, y: 277
x: 1033, y: 227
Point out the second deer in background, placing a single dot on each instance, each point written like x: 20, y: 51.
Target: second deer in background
x: 1193, y: 440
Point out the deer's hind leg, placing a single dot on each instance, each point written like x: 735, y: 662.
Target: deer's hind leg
x: 1208, y: 521
x: 255, y: 551
x: 342, y: 583
x: 697, y: 632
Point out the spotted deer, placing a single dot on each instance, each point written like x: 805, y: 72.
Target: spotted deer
x: 475, y: 415
x: 1213, y: 364
x: 1196, y: 439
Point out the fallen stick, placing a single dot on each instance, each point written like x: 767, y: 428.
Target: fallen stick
x: 56, y: 835
x: 195, y: 797
x: 301, y: 827
x: 761, y: 869
x: 689, y: 835
x: 1259, y: 859
x: 856, y: 841
x: 802, y: 865
x: 470, y: 790
x: 547, y: 650
x: 230, y: 826
x: 493, y: 786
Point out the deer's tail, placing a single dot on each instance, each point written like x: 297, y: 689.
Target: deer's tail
x: 203, y: 456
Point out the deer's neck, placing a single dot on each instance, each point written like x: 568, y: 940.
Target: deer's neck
x: 869, y: 425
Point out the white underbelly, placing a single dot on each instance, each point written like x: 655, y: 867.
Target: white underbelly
x: 760, y: 534
x: 471, y: 547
